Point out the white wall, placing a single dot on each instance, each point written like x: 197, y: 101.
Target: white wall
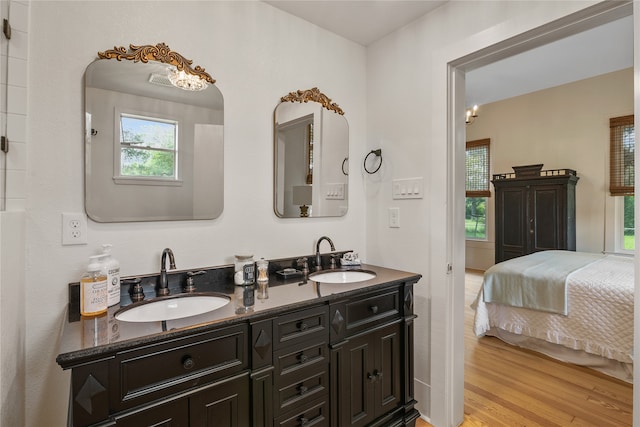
x: 562, y: 127
x: 13, y: 165
x: 257, y: 54
x: 407, y: 113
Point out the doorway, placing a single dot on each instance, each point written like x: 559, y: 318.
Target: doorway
x: 585, y: 19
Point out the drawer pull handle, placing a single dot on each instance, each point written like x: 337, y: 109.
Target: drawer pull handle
x: 374, y: 309
x: 188, y: 363
x: 302, y: 358
x: 303, y: 326
x: 375, y: 376
x: 302, y: 390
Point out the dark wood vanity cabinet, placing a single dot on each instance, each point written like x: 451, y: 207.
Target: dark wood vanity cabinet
x: 340, y: 362
x: 372, y: 359
x: 534, y: 213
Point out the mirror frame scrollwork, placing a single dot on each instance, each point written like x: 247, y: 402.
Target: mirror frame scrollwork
x: 314, y: 95
x: 161, y: 53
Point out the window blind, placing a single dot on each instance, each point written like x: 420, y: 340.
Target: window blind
x: 477, y: 168
x: 621, y: 157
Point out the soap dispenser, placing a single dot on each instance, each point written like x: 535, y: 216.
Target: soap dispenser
x: 112, y: 267
x: 93, y: 288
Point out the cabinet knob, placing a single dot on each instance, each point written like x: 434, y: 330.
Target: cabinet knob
x: 371, y: 377
x: 374, y: 309
x: 303, y: 421
x: 303, y: 326
x: 188, y: 362
x: 302, y: 358
x: 302, y: 390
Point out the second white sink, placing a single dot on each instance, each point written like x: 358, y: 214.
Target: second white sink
x: 172, y: 308
x: 342, y: 276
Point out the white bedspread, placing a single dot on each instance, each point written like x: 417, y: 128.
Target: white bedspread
x: 600, y: 315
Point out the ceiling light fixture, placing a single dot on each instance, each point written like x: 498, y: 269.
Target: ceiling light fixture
x: 185, y: 81
x: 471, y: 115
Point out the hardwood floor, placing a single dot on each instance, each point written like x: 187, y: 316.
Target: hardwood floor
x: 508, y: 386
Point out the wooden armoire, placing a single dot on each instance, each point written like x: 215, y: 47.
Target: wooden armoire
x: 535, y: 210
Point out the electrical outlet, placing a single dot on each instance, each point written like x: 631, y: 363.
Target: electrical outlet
x: 74, y: 229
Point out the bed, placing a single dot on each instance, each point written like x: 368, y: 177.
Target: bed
x: 573, y: 306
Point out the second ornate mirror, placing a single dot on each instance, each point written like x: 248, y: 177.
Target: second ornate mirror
x: 311, y: 156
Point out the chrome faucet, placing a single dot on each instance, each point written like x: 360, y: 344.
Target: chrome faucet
x: 163, y: 286
x: 318, y: 259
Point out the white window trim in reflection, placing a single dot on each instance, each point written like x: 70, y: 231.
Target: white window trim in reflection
x: 120, y: 178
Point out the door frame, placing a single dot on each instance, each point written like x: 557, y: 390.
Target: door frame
x: 447, y: 385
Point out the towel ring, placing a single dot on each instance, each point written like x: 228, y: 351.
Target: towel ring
x: 378, y: 153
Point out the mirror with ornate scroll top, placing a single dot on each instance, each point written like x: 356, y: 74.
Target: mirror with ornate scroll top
x: 311, y: 156
x: 153, y: 137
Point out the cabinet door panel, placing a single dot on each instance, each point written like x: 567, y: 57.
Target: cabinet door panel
x: 388, y: 375
x: 511, y: 223
x: 548, y: 227
x: 358, y: 409
x: 223, y: 405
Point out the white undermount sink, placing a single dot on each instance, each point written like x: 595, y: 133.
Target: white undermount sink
x: 171, y: 308
x: 342, y: 276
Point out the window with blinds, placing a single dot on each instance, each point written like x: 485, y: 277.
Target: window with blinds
x: 477, y: 168
x: 622, y: 151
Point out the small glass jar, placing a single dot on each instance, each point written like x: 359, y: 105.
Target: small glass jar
x: 245, y: 270
x: 263, y: 270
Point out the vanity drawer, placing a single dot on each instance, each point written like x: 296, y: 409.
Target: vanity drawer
x: 156, y: 371
x: 294, y: 363
x: 302, y: 325
x: 364, y: 313
x: 310, y: 387
x: 314, y: 414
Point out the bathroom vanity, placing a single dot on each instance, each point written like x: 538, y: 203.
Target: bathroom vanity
x: 310, y: 354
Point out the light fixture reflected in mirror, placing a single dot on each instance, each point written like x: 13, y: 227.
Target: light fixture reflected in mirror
x: 302, y: 195
x: 185, y: 81
x: 471, y: 115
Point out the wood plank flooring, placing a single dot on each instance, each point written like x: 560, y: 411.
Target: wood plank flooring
x: 508, y: 386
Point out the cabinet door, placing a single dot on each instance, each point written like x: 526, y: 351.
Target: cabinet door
x: 356, y: 404
x: 170, y: 414
x: 511, y: 222
x: 387, y: 371
x: 371, y: 379
x: 224, y: 405
x: 547, y: 228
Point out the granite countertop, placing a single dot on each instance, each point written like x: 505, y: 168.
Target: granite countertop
x: 101, y: 336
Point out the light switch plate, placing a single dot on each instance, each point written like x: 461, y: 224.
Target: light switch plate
x: 408, y: 188
x: 394, y: 217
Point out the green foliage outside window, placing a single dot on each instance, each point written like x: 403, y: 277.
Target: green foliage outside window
x: 148, y: 147
x: 475, y: 218
x: 629, y: 223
